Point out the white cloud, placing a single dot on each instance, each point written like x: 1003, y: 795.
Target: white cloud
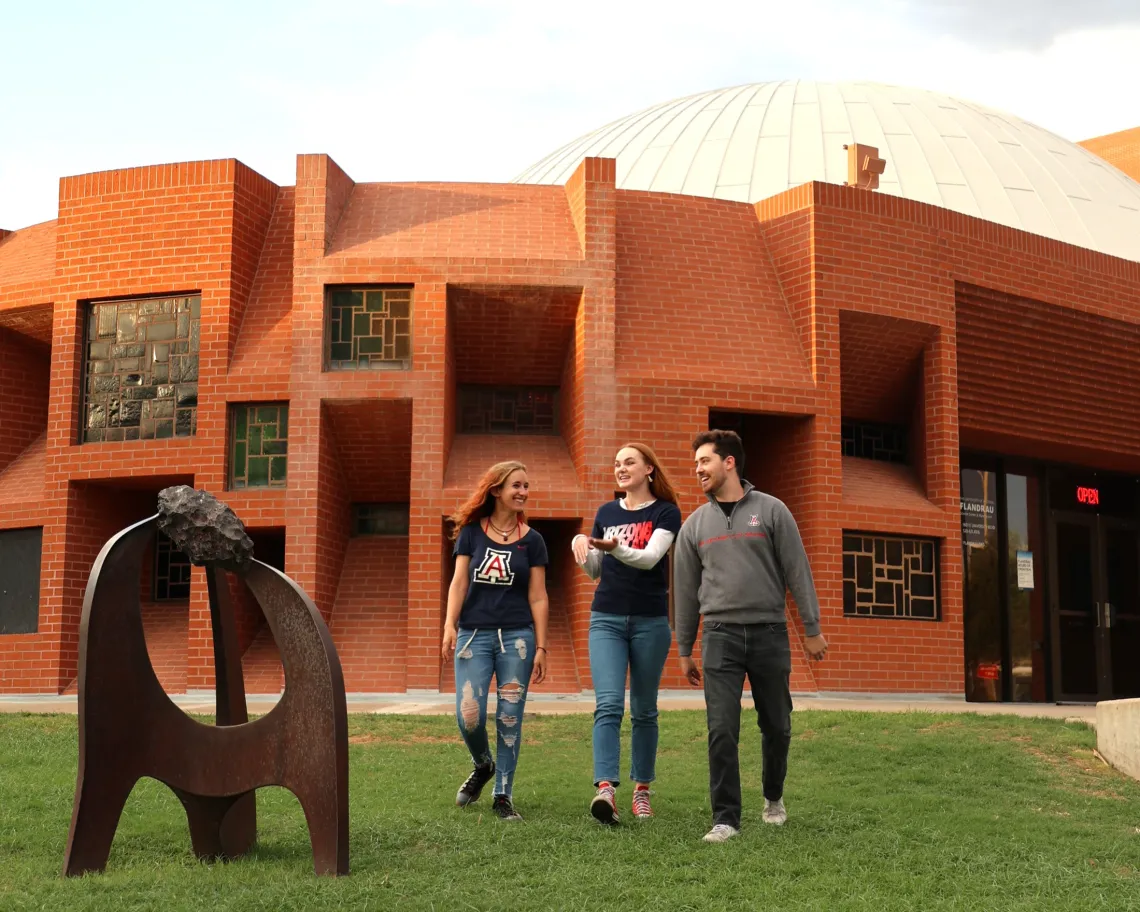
x: 480, y: 90
x: 1032, y: 24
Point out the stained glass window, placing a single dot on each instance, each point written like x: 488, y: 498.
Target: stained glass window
x: 508, y: 410
x: 171, y: 571
x: 260, y: 445
x: 369, y: 329
x: 380, y: 519
x: 884, y: 576
x: 141, y: 381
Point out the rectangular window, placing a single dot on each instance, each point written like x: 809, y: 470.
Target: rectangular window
x: 20, y: 551
x: 882, y: 442
x: 982, y: 615
x: 171, y: 571
x: 1026, y: 595
x: 885, y: 576
x: 259, y: 448
x: 380, y: 519
x: 508, y: 409
x: 141, y: 377
x: 368, y: 329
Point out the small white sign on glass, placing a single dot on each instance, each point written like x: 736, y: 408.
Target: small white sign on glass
x: 1024, y: 569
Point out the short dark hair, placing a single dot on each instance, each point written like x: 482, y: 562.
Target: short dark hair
x: 725, y: 443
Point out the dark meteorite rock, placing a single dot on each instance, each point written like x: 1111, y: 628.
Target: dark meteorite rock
x: 203, y: 528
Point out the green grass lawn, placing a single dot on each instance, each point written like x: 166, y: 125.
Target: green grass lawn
x: 886, y: 812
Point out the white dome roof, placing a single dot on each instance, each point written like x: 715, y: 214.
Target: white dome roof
x: 751, y: 142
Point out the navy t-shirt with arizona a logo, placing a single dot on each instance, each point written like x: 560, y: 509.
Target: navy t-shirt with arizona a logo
x: 500, y: 577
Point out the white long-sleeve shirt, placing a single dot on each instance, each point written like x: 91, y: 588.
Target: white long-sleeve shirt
x: 642, y: 558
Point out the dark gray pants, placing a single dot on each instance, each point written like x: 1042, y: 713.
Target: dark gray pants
x: 728, y: 653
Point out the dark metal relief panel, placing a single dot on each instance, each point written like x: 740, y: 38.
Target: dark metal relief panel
x: 171, y: 571
x: 141, y: 377
x: 380, y: 519
x: 890, y: 577
x: 259, y: 445
x: 369, y: 329
x: 20, y: 551
x: 508, y: 410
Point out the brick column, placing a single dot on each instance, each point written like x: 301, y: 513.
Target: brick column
x: 323, y: 190
x: 593, y: 434
x: 943, y: 478
x: 430, y: 441
x: 62, y: 576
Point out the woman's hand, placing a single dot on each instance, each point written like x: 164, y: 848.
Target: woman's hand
x: 581, y: 548
x: 603, y: 544
x: 539, y: 674
x: 450, y: 635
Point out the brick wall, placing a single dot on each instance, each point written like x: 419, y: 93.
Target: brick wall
x: 373, y: 441
x: 512, y: 336
x: 25, y: 368
x: 649, y: 311
x: 263, y: 341
x: 1121, y: 150
x: 1077, y: 403
x: 370, y: 618
x: 253, y: 206
x: 333, y: 518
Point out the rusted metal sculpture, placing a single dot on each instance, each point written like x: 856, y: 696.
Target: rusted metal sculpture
x: 129, y: 727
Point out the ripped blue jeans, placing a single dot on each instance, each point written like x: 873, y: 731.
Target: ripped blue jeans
x: 508, y: 654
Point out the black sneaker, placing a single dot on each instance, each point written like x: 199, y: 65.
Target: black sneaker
x: 473, y: 787
x: 503, y: 807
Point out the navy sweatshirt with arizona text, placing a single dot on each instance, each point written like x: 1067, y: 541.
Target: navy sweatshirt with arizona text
x: 737, y: 569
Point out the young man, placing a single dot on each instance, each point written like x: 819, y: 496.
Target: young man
x: 736, y: 558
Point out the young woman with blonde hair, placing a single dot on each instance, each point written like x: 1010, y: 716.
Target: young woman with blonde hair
x: 497, y: 610
x: 629, y: 621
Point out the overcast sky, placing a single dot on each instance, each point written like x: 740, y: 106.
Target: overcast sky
x: 437, y: 90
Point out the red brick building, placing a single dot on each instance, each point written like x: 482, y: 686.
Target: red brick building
x: 339, y: 361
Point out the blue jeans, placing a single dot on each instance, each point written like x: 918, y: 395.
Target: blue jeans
x: 509, y: 656
x: 640, y: 644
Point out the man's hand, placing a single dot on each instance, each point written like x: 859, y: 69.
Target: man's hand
x: 816, y: 646
x: 690, y: 670
x: 603, y: 544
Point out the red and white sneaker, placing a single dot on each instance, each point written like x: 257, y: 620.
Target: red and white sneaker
x: 602, y: 807
x: 642, y: 810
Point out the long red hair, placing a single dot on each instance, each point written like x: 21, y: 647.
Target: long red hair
x: 659, y: 484
x: 481, y: 503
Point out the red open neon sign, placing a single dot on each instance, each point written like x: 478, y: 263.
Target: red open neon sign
x: 1090, y: 497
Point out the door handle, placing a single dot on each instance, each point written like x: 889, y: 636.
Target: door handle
x: 1096, y: 613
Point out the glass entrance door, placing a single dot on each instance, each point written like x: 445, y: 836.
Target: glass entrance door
x: 1120, y: 611
x: 1076, y: 612
x: 1096, y: 606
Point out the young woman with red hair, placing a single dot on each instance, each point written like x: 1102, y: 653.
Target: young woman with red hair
x: 497, y: 611
x: 629, y: 621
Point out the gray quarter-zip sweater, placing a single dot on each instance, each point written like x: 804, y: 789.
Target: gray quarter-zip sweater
x: 738, y: 569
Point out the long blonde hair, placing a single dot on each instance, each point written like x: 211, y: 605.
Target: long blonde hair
x: 481, y: 503
x: 659, y: 484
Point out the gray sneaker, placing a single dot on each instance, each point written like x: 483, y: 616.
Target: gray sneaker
x: 722, y: 832
x: 774, y: 812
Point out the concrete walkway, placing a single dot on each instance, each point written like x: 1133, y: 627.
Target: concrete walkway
x: 437, y: 704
